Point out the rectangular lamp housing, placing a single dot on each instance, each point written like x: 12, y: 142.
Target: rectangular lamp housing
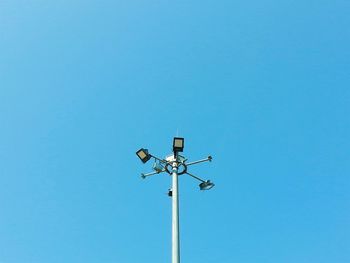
x: 143, y: 155
x: 178, y: 144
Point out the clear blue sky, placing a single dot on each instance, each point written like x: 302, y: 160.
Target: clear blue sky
x: 263, y: 86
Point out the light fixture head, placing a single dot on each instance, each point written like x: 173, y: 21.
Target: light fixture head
x: 158, y: 167
x: 206, y: 185
x: 178, y: 144
x: 143, y: 155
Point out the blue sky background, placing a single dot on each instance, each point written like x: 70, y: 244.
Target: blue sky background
x: 263, y: 86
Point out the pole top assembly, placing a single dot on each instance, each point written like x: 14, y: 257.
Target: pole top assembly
x: 166, y: 164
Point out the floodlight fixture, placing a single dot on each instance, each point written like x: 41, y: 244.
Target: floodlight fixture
x: 178, y: 144
x: 207, y: 185
x: 143, y: 155
x: 158, y: 167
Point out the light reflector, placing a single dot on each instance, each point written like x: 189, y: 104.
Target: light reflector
x: 178, y: 144
x: 206, y: 185
x: 143, y: 155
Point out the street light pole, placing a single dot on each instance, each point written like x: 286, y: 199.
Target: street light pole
x: 175, y: 216
x: 174, y: 165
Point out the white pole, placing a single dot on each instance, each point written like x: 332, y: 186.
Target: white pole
x: 175, y: 220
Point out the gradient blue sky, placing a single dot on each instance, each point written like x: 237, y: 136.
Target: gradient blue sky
x: 263, y: 86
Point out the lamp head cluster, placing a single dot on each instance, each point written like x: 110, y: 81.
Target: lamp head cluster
x: 164, y: 165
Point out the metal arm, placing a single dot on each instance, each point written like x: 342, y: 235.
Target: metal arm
x: 195, y: 177
x: 143, y: 176
x: 158, y: 159
x: 209, y: 158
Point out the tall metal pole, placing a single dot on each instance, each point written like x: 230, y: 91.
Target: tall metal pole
x: 174, y: 165
x: 175, y: 215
